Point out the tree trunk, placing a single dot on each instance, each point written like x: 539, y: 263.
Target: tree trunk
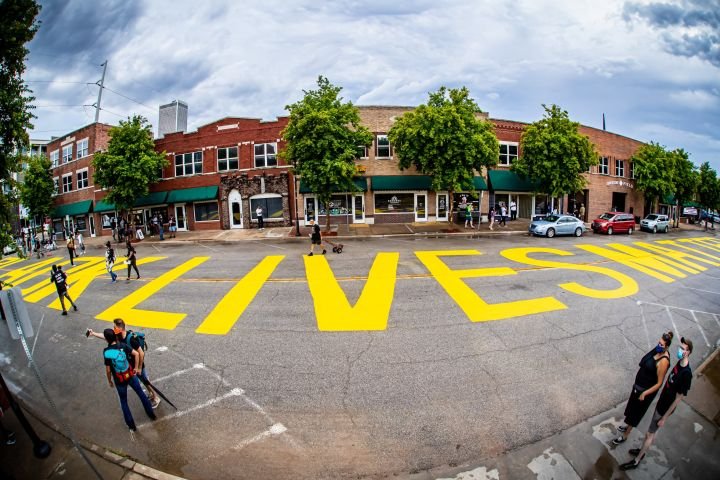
x: 451, y: 203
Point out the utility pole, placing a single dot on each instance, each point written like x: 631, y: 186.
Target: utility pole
x: 101, y: 85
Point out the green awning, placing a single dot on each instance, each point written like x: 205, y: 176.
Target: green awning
x: 152, y: 198
x: 507, y: 181
x: 360, y: 185
x: 401, y: 182
x: 479, y: 183
x: 196, y: 194
x: 71, y: 209
x: 103, y: 206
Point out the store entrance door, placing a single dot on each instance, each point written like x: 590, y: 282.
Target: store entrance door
x: 358, y: 208
x: 181, y: 218
x: 420, y: 207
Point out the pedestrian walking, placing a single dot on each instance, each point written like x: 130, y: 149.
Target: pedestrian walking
x: 58, y: 277
x: 503, y: 215
x: 648, y: 380
x: 513, y: 210
x: 121, y: 229
x: 113, y: 226
x: 172, y: 226
x: 676, y: 388
x: 71, y: 248
x: 468, y: 215
x: 110, y: 260
x: 315, y: 238
x: 131, y: 261
x: 79, y: 243
x: 582, y: 212
x: 491, y: 217
x: 259, y: 215
x: 121, y: 368
x: 161, y: 230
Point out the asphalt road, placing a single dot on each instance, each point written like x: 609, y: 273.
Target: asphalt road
x: 416, y: 375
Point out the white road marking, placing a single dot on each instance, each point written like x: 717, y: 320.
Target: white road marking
x: 698, y: 428
x: 209, y: 248
x: 161, y: 349
x: 716, y: 319
x: 179, y: 372
x: 677, y: 332
x: 700, y: 328
x: 642, y: 315
x: 37, y: 335
x: 235, y: 392
x: 269, y: 245
x: 480, y: 473
x: 673, y: 307
x: 699, y: 290
x: 552, y: 466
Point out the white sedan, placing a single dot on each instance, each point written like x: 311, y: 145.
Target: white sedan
x: 557, y: 225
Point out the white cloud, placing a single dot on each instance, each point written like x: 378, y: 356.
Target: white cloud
x: 696, y: 99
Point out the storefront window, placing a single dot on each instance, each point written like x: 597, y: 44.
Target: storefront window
x: 338, y: 205
x: 80, y: 223
x: 107, y: 218
x: 461, y: 201
x: 272, y: 207
x: 394, y: 203
x: 205, y: 212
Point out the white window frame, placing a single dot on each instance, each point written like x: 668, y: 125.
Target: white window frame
x: 632, y: 170
x: 67, y: 153
x: 56, y: 185
x: 67, y: 184
x: 82, y: 148
x: 55, y: 158
x: 87, y: 178
x: 619, y: 168
x: 506, y: 159
x: 228, y: 158
x: 190, y: 165
x: 377, y: 146
x: 265, y: 156
x: 604, y: 166
x: 364, y: 150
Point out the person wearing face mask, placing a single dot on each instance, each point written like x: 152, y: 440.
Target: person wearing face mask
x: 676, y: 388
x: 653, y: 367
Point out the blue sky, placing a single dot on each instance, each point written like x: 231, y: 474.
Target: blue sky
x: 653, y: 68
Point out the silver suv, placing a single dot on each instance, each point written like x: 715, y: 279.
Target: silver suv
x: 655, y: 223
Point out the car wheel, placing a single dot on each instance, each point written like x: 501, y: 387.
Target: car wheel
x: 630, y: 230
x: 667, y: 228
x: 550, y: 232
x: 610, y: 231
x: 655, y: 229
x: 578, y: 232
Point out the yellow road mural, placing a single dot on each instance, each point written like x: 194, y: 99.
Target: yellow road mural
x: 665, y: 260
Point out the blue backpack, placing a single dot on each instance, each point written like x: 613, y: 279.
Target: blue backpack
x: 120, y: 363
x: 138, y: 337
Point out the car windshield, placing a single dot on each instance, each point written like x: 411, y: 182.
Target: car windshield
x: 651, y: 217
x: 552, y: 218
x: 606, y: 216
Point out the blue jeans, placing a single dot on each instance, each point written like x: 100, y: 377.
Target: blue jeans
x: 122, y: 393
x: 109, y: 267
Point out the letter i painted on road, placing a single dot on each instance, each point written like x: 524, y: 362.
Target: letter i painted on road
x: 232, y: 305
x: 332, y: 309
x: 126, y: 310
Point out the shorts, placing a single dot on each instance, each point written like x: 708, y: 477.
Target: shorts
x: 316, y: 241
x: 173, y: 228
x: 654, y: 422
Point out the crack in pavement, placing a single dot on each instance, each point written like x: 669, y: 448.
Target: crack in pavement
x: 348, y: 377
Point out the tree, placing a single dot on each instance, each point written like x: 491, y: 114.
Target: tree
x: 654, y: 169
x: 323, y: 135
x: 18, y: 28
x: 446, y: 140
x: 130, y: 164
x: 37, y: 188
x: 708, y: 188
x: 554, y: 154
x: 686, y: 179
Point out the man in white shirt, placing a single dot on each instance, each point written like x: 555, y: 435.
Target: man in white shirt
x: 513, y: 210
x: 259, y: 215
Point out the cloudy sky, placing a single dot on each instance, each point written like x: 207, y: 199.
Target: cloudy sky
x: 653, y: 68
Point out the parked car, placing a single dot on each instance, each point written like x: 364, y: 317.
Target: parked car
x: 557, y: 225
x: 614, y: 222
x: 655, y: 223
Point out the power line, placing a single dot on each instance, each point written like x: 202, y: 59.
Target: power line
x: 53, y: 106
x: 131, y: 99
x: 108, y: 111
x: 53, y: 81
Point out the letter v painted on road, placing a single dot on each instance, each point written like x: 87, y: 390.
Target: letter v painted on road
x: 371, y: 311
x: 231, y: 307
x: 136, y: 317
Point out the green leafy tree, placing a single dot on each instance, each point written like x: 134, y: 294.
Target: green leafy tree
x: 554, y: 154
x: 446, y: 140
x: 686, y: 179
x: 654, y: 169
x: 708, y: 187
x: 130, y: 165
x: 323, y: 135
x: 37, y: 188
x: 18, y: 28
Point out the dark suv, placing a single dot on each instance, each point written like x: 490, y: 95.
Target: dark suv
x: 614, y: 222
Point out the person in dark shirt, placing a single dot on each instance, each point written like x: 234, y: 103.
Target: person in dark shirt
x: 131, y: 260
x: 58, y: 277
x: 110, y: 261
x: 676, y: 388
x: 316, y: 239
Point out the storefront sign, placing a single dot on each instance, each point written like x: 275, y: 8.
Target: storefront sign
x: 621, y: 183
x: 394, y: 202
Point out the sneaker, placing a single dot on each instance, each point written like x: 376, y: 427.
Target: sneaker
x: 634, y: 452
x: 310, y: 254
x: 155, y: 402
x: 10, y: 439
x: 618, y: 440
x: 324, y: 252
x: 153, y: 417
x: 137, y: 278
x: 622, y: 428
x: 631, y: 465
x: 64, y: 313
x: 75, y: 308
x: 132, y: 434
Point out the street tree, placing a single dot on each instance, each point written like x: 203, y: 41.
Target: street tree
x: 19, y: 26
x: 447, y: 140
x: 708, y: 187
x: 323, y: 135
x: 130, y: 164
x: 654, y: 169
x: 37, y: 189
x: 554, y: 155
x: 686, y: 179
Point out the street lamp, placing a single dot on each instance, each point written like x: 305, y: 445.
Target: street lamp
x: 297, y: 222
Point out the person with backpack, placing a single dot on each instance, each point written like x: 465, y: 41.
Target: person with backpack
x: 71, y: 248
x: 131, y: 261
x: 58, y: 277
x: 121, y: 368
x: 110, y: 260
